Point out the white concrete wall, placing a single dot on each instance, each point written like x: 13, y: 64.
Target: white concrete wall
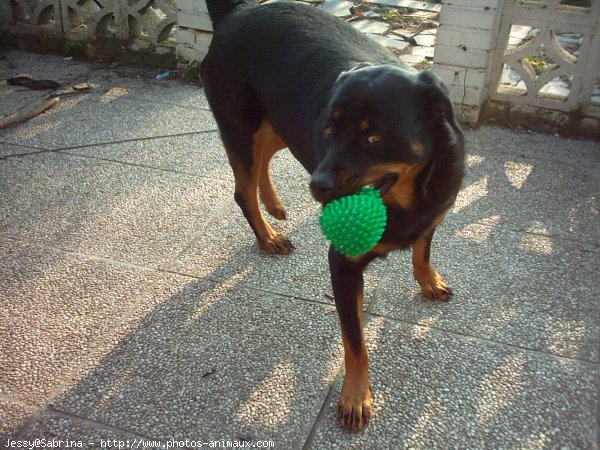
x: 193, y: 34
x: 465, y: 39
x: 463, y: 51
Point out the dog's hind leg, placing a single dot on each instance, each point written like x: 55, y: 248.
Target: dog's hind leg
x: 270, y: 143
x: 249, y: 156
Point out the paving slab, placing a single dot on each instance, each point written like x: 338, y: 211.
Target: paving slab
x: 107, y: 209
x: 404, y: 34
x: 207, y: 364
x: 413, y: 4
x: 17, y: 63
x: 99, y: 117
x: 389, y: 41
x: 108, y: 78
x: 530, y: 191
x: 55, y: 309
x: 524, y: 289
x: 37, y: 66
x: 12, y: 149
x: 429, y: 32
x: 425, y: 40
x: 229, y: 250
x: 12, y: 415
x: 86, y: 120
x: 370, y: 26
x: 26, y: 180
x: 339, y: 8
x: 63, y: 431
x: 193, y: 154
x: 437, y: 390
x: 524, y: 143
x: 425, y: 52
x: 412, y: 60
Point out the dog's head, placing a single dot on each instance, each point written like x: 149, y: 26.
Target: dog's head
x: 382, y: 125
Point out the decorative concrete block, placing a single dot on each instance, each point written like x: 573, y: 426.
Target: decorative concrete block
x: 187, y: 53
x: 196, y: 21
x: 186, y: 37
x: 203, y: 40
x: 186, y: 5
x: 456, y: 56
x: 467, y: 34
x: 461, y: 76
x: 468, y: 114
x: 463, y: 95
x: 194, y: 33
x: 469, y: 18
x: 458, y: 36
x: 200, y: 6
x: 491, y: 4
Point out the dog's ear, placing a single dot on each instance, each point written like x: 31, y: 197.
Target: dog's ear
x: 359, y: 66
x: 438, y: 99
x: 355, y: 68
x: 445, y: 167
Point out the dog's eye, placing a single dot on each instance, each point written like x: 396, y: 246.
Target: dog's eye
x: 328, y: 131
x: 374, y: 138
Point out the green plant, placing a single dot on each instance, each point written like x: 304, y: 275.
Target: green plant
x: 76, y: 48
x: 538, y: 61
x: 388, y: 14
x: 191, y: 74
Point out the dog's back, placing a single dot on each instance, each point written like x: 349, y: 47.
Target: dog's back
x: 286, y: 57
x: 218, y: 9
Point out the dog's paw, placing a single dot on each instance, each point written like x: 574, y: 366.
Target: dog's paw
x: 277, y: 211
x: 433, y: 286
x: 276, y: 245
x: 354, y: 406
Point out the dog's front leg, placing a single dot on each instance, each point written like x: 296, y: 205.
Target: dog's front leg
x: 354, y: 406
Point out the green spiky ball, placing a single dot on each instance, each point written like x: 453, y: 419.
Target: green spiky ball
x: 354, y: 223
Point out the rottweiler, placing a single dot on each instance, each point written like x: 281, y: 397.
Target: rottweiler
x: 290, y: 75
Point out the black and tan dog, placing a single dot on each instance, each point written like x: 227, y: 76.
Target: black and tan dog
x: 289, y: 75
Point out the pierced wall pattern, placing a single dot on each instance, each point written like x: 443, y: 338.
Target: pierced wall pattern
x: 139, y: 24
x: 547, y: 56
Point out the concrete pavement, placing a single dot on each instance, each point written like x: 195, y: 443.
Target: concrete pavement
x: 135, y: 305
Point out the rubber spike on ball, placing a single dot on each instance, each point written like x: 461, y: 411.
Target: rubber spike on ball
x: 355, y: 223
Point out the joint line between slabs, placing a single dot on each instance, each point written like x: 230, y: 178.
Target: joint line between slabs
x: 585, y: 362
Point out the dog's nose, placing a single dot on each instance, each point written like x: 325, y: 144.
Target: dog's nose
x: 321, y: 184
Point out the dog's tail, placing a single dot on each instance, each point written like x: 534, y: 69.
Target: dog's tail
x: 218, y: 9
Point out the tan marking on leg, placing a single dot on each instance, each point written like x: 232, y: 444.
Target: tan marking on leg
x: 354, y: 404
x: 432, y: 284
x: 264, y: 145
x: 268, y: 143
x: 269, y: 195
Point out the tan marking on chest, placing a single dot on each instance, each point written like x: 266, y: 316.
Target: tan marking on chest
x: 402, y: 192
x: 383, y: 249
